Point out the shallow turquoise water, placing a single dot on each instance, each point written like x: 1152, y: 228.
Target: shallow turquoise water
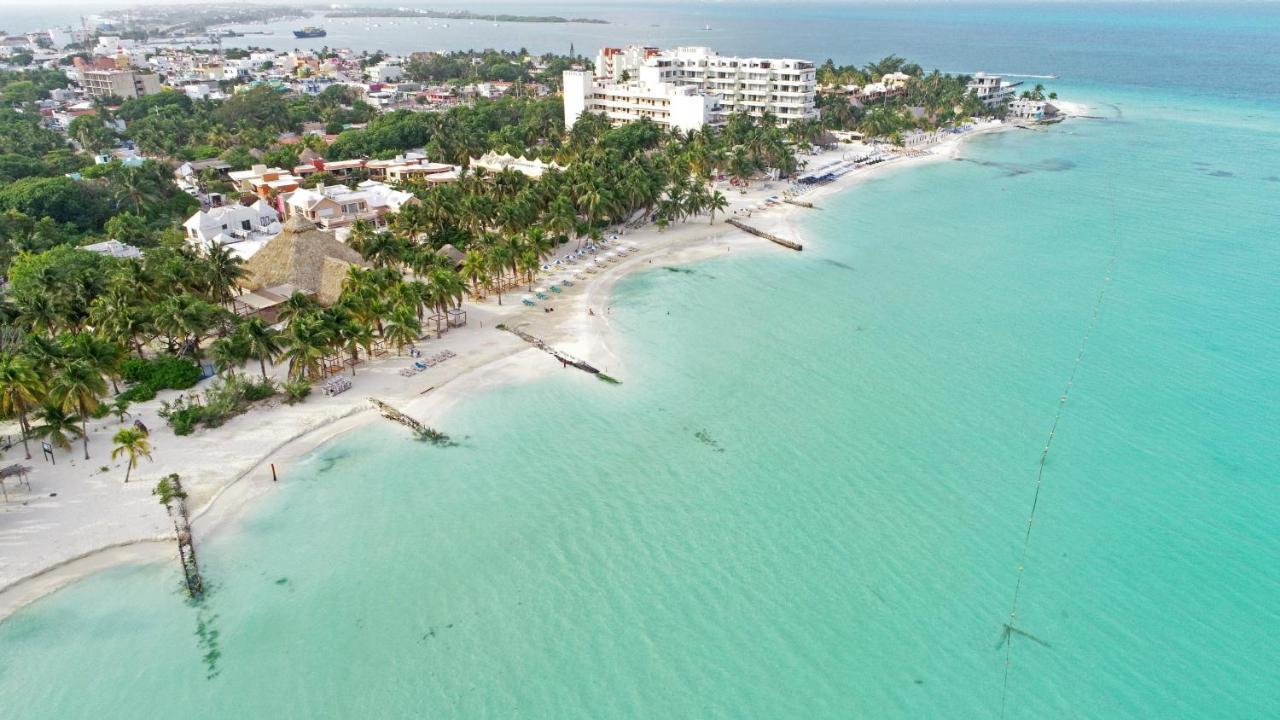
x: 809, y: 496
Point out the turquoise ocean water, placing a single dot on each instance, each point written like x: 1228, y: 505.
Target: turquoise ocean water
x: 809, y: 497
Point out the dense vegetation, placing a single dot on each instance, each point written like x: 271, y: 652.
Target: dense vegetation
x: 938, y: 99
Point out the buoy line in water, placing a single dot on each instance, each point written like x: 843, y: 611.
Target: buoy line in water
x: 1010, y: 629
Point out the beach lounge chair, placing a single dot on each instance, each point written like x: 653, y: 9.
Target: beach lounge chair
x: 529, y: 303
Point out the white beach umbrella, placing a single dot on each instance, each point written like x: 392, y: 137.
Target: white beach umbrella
x: 540, y: 290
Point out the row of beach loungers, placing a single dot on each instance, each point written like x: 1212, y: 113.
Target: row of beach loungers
x: 579, y: 264
x: 336, y: 385
x: 424, y: 363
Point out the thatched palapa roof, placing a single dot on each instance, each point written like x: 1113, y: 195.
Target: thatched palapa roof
x: 304, y: 256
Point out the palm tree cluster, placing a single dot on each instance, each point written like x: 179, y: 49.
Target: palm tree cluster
x: 943, y: 98
x: 508, y: 223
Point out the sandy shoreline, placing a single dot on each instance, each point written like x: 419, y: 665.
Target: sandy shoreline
x: 95, y: 521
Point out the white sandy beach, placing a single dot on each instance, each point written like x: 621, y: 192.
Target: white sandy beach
x: 80, y: 516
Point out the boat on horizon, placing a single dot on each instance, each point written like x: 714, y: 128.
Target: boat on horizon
x: 310, y: 32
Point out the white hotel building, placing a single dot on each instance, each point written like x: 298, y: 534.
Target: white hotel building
x: 665, y: 104
x: 690, y: 86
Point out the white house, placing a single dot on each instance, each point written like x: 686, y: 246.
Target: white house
x: 1028, y: 109
x: 385, y: 72
x: 233, y: 223
x: 335, y: 206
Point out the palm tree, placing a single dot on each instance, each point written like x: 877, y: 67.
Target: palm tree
x: 306, y: 341
x: 299, y: 303
x: 355, y: 335
x: 57, y: 425
x: 475, y: 271
x: 260, y: 342
x: 118, y: 316
x: 20, y: 388
x: 77, y: 385
x: 717, y: 203
x: 132, y: 443
x: 225, y: 270
x: 227, y: 353
x: 402, y: 327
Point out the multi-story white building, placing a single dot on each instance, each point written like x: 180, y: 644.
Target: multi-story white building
x: 991, y: 89
x: 621, y: 64
x: 121, y: 83
x: 783, y: 87
x: 683, y: 108
x: 232, y: 224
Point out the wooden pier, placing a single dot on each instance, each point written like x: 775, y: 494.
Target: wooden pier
x: 420, y: 431
x: 565, y: 359
x: 800, y: 203
x: 790, y: 245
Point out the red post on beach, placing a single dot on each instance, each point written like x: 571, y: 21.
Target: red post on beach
x: 273, y: 472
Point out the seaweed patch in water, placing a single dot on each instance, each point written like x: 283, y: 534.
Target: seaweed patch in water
x: 435, y: 437
x: 282, y: 581
x: 839, y: 264
x: 705, y: 438
x: 1016, y: 169
x: 328, y: 461
x: 1272, y: 178
x: 1009, y: 631
x: 686, y: 271
x: 1221, y: 173
x: 207, y: 641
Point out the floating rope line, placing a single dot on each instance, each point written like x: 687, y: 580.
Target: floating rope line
x: 1010, y: 628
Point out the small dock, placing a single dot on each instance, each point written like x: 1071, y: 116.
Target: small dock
x: 800, y: 203
x: 566, y: 359
x: 420, y: 431
x: 790, y: 245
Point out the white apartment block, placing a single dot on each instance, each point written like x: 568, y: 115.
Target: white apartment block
x: 783, y: 87
x: 619, y: 64
x: 991, y: 89
x: 683, y: 108
x: 122, y: 83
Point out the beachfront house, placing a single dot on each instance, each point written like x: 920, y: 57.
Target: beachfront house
x: 992, y: 90
x: 1028, y: 109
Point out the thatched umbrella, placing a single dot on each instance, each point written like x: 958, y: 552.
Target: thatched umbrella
x: 304, y: 256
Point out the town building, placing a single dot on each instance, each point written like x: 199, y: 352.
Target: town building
x: 682, y: 108
x: 263, y: 181
x: 232, y: 224
x: 992, y: 90
x: 1028, y: 109
x: 336, y: 206
x: 385, y: 72
x: 126, y: 84
x: 620, y: 64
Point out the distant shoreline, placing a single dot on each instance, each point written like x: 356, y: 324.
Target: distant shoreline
x: 455, y: 15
